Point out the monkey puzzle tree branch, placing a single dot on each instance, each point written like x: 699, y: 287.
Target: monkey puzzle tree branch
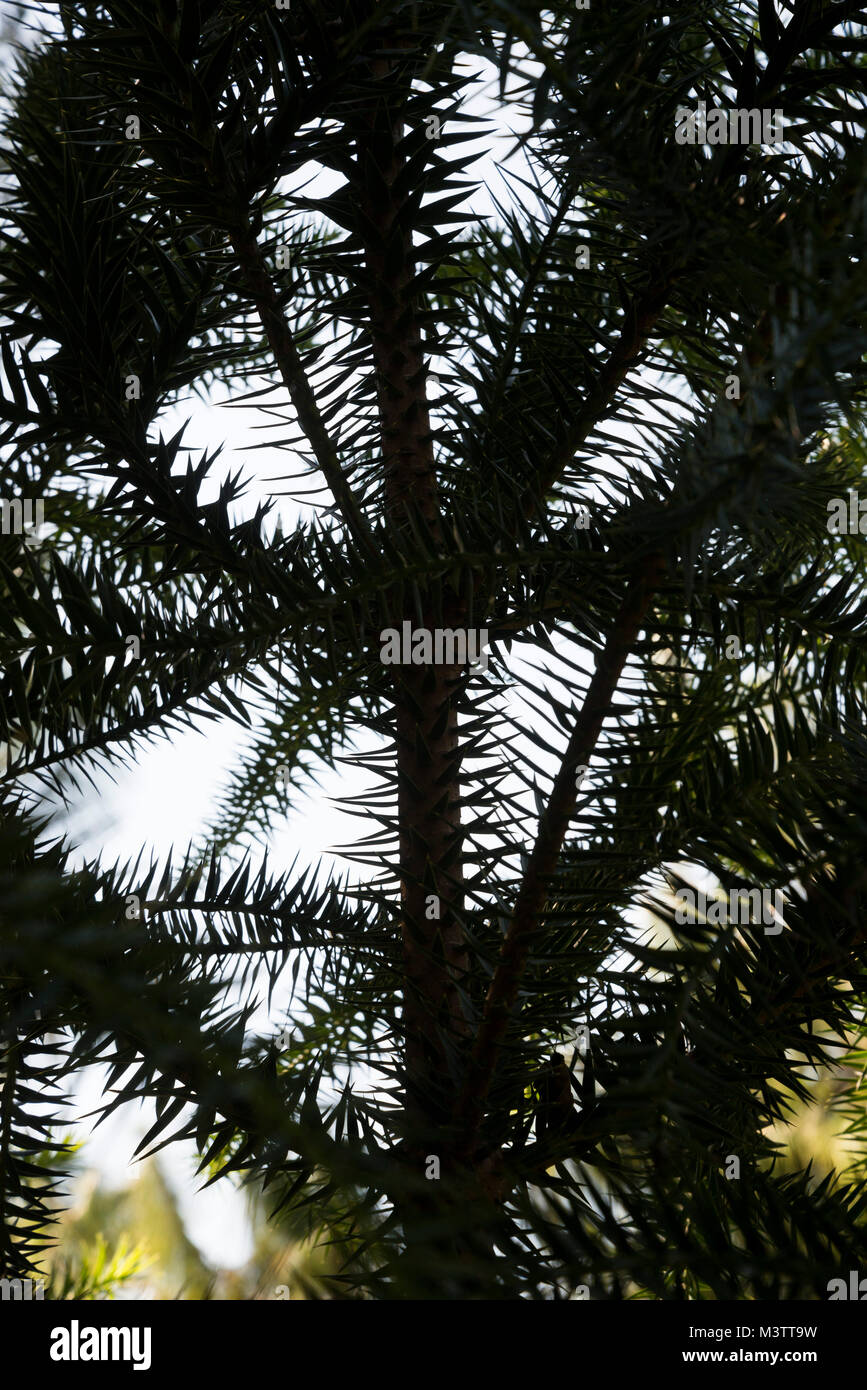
x: 810, y: 23
x: 426, y: 720
x: 553, y: 827
x: 291, y: 367
x: 644, y: 312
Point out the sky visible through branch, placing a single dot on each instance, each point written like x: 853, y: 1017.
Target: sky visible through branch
x: 168, y: 798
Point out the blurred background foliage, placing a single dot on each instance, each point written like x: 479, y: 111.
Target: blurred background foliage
x: 131, y: 1242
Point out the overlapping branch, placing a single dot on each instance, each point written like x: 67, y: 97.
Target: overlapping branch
x: 553, y: 827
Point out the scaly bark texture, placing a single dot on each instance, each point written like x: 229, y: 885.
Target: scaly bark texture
x: 428, y: 755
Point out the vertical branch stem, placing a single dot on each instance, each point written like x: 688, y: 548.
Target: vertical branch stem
x: 428, y: 753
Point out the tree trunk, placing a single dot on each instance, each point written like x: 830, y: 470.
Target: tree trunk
x: 425, y: 697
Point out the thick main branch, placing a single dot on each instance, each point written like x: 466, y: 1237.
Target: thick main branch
x: 425, y: 697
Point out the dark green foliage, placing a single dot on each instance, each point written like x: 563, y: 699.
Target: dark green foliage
x: 562, y: 387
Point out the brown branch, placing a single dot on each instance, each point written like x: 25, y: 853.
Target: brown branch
x: 291, y: 368
x: 553, y: 827
x: 502, y: 994
x: 425, y: 698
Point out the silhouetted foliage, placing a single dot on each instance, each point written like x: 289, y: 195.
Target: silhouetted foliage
x: 650, y: 390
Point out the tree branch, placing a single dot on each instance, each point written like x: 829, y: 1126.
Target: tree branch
x: 428, y: 751
x: 553, y: 827
x: 645, y: 310
x: 291, y: 368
